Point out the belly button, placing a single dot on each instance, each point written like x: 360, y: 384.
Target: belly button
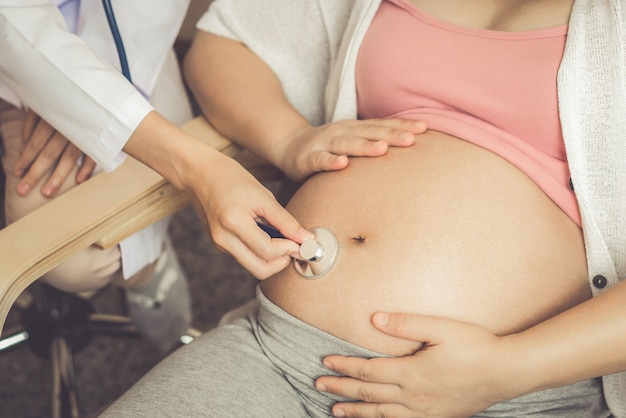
x: 360, y: 239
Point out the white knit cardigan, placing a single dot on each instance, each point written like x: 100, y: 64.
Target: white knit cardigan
x: 312, y: 46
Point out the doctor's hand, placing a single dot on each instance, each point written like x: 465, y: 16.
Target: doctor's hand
x: 328, y: 147
x: 461, y: 370
x: 228, y: 199
x: 47, y: 152
x: 229, y: 202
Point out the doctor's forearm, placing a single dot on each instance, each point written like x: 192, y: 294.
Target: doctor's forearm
x: 176, y: 155
x: 57, y: 75
x: 241, y: 96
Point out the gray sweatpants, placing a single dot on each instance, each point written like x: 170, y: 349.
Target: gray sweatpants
x: 264, y: 365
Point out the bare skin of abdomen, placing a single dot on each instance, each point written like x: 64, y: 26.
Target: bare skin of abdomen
x: 442, y: 228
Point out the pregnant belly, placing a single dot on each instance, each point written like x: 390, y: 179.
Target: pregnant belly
x: 442, y: 228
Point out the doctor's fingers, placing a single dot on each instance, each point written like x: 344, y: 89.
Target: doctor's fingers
x: 39, y: 132
x: 259, y: 266
x: 65, y: 167
x: 236, y: 232
x: 87, y: 167
x: 34, y: 142
x: 49, y: 163
x: 30, y: 121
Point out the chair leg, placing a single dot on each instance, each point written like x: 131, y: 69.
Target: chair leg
x: 56, y: 314
x: 56, y: 325
x: 12, y: 338
x: 113, y: 325
x: 18, y: 334
x: 64, y: 387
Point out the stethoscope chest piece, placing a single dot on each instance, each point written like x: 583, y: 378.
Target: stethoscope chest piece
x: 320, y: 254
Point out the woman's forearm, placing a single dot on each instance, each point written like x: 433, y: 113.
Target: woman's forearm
x: 583, y: 342
x: 241, y: 96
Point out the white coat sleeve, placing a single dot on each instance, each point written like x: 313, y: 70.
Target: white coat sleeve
x: 58, y: 76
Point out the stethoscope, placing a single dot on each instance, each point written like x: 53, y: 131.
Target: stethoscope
x: 318, y: 255
x: 117, y: 38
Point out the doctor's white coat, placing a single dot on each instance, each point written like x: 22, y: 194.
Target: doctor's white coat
x: 73, y: 81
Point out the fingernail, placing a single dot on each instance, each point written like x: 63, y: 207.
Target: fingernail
x: 339, y: 413
x: 296, y: 255
x: 51, y: 188
x: 23, y: 188
x: 321, y: 387
x: 381, y: 319
x: 407, y: 136
x: 327, y: 364
x: 420, y: 125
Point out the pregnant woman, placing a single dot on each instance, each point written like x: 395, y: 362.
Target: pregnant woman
x: 474, y: 219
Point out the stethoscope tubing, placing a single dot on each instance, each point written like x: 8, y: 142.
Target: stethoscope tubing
x: 117, y: 38
x: 271, y: 231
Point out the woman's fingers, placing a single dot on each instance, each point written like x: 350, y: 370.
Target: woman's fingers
x: 329, y: 147
x: 375, y: 370
x: 365, y: 137
x: 371, y: 410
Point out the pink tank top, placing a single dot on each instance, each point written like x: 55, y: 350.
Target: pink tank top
x: 494, y: 89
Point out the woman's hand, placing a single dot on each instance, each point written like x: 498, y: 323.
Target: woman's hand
x: 48, y: 151
x: 458, y: 372
x: 327, y: 147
